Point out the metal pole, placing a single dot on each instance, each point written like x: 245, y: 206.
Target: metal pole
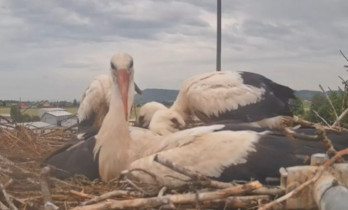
x: 218, y: 38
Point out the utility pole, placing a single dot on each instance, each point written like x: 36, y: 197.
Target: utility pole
x: 218, y: 37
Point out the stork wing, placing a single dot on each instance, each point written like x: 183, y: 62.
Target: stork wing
x: 240, y: 96
x: 208, y: 154
x: 95, y: 102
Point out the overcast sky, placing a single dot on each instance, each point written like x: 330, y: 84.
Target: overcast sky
x: 53, y: 49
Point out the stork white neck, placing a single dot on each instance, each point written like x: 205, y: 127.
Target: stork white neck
x: 113, y: 139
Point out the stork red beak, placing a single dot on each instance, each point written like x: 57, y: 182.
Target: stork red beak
x: 123, y: 83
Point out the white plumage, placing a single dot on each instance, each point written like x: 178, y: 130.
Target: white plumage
x: 94, y: 103
x: 166, y: 121
x: 95, y: 100
x: 224, y: 155
x: 237, y: 97
x: 147, y: 111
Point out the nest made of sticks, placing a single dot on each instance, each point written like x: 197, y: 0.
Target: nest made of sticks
x: 24, y: 185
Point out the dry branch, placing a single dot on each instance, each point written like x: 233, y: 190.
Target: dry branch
x: 238, y: 202
x: 320, y: 117
x: 115, y: 193
x: 196, y: 177
x: 330, y: 102
x: 337, y: 122
x: 174, y: 199
x: 7, y: 198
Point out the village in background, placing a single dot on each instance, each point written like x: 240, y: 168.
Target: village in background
x: 43, y: 116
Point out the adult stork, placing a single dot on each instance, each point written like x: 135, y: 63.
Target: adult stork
x: 238, y: 97
x: 94, y: 103
x: 77, y: 156
x: 146, y: 113
x: 210, y: 150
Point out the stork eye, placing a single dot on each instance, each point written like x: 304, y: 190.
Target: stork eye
x: 131, y: 64
x: 113, y: 66
x: 175, y: 121
x: 141, y: 121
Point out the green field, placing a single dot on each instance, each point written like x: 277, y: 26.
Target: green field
x: 33, y: 111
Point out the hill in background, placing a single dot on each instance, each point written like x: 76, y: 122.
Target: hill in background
x: 168, y: 96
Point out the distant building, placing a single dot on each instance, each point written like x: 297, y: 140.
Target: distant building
x: 38, y: 127
x: 22, y: 105
x: 42, y: 111
x: 45, y: 104
x: 57, y: 117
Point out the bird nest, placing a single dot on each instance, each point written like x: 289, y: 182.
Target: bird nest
x: 25, y: 185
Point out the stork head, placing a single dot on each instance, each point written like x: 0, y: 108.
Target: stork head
x: 167, y: 121
x: 122, y: 72
x: 147, y: 111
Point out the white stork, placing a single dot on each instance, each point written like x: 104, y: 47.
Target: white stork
x: 166, y: 121
x: 210, y: 150
x: 94, y: 103
x: 147, y: 111
x: 236, y: 97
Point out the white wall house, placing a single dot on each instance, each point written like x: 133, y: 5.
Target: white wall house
x: 38, y: 126
x: 58, y: 117
x: 44, y: 110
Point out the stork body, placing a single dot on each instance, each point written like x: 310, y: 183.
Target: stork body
x: 147, y: 111
x: 218, y: 151
x: 234, y: 97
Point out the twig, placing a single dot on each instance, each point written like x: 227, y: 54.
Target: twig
x: 340, y: 117
x: 320, y: 117
x: 7, y: 198
x: 343, y: 55
x: 319, y: 171
x: 175, y: 199
x: 137, y: 187
x: 3, y: 206
x: 8, y: 183
x: 330, y: 102
x: 292, y: 133
x: 235, y: 202
x: 270, y: 190
x: 126, y: 172
x: 45, y: 190
x: 162, y: 191
x: 203, y: 180
x: 81, y: 194
x: 116, y: 193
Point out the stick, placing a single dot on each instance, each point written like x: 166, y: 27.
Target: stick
x: 203, y: 180
x: 316, y: 176
x: 45, y: 190
x: 3, y: 206
x: 235, y: 202
x: 81, y: 194
x: 340, y: 117
x: 343, y: 55
x: 175, y: 199
x: 116, y: 193
x: 269, y: 190
x: 322, y: 119
x: 291, y: 133
x: 7, y: 198
x: 330, y: 102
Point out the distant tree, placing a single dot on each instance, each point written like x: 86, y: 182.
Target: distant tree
x: 322, y: 106
x: 15, y: 113
x: 75, y: 103
x: 17, y: 116
x: 297, y: 107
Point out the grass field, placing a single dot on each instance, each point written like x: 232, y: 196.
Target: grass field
x: 33, y: 111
